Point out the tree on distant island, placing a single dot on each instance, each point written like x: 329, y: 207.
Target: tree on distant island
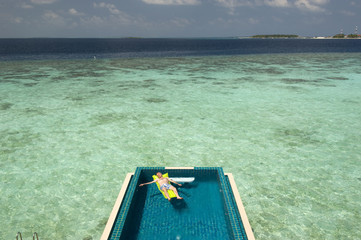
x: 346, y: 36
x: 353, y: 36
x: 340, y: 35
x: 276, y: 36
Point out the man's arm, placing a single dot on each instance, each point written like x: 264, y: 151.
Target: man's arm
x: 174, y: 182
x: 140, y: 185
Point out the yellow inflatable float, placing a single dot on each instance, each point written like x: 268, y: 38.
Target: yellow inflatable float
x: 170, y: 192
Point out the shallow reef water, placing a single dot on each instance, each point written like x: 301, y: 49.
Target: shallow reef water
x: 286, y: 125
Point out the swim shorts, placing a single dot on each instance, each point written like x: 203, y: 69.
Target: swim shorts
x: 165, y: 185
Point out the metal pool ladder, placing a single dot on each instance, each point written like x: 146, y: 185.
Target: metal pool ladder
x: 35, y: 236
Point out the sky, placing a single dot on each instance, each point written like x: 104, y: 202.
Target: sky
x: 176, y: 18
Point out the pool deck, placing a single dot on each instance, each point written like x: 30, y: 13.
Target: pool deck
x: 123, y: 190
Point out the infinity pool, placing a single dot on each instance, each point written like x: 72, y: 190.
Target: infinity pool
x: 208, y: 211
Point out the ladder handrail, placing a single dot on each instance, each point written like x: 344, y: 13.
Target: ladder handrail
x: 35, y: 234
x: 17, y: 236
x: 21, y: 238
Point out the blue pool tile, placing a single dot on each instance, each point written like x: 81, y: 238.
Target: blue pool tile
x: 145, y: 214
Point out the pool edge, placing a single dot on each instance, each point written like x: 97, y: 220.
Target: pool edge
x: 114, y: 212
x: 241, y: 209
x: 186, y: 168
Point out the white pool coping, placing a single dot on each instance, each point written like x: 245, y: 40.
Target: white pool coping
x: 118, y: 203
x: 241, y: 210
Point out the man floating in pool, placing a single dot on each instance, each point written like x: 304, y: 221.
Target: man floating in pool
x: 164, y: 183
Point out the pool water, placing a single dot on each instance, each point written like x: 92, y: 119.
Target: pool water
x: 202, y: 214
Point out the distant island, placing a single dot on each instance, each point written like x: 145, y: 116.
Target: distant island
x: 276, y: 36
x: 347, y: 36
x: 337, y: 36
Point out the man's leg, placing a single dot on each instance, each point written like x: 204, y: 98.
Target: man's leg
x: 166, y: 193
x: 176, y: 192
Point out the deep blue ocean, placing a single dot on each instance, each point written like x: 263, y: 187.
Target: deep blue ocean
x: 69, y: 48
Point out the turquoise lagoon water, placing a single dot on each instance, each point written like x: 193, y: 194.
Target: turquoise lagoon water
x: 287, y: 126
